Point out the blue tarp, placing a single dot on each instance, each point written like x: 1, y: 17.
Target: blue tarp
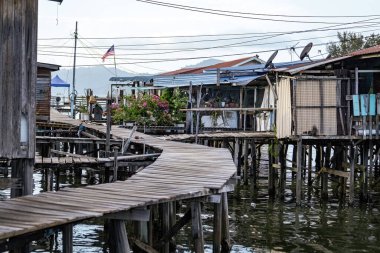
x: 58, y: 82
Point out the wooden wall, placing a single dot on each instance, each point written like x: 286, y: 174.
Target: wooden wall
x: 18, y: 66
x: 43, y: 94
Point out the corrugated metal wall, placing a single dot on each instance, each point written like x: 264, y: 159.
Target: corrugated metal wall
x: 43, y: 94
x: 316, y: 102
x: 284, y: 109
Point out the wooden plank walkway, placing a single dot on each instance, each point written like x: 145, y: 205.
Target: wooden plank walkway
x: 221, y: 135
x: 182, y: 171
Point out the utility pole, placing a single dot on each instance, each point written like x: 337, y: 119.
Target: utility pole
x: 74, y: 95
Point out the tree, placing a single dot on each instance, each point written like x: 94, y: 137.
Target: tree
x: 350, y: 42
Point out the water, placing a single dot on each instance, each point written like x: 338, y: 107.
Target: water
x: 259, y: 224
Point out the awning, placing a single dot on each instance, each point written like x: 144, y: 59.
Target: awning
x: 58, y: 82
x: 240, y: 80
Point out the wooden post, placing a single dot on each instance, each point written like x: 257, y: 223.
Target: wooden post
x: 353, y: 155
x: 245, y: 163
x: 226, y: 241
x: 23, y: 169
x: 115, y: 163
x: 217, y: 233
x: 199, y: 94
x: 253, y: 169
x: 236, y: 156
x: 271, y: 190
x: 299, y: 171
x: 118, y: 237
x: 325, y: 176
x: 196, y: 226
x: 189, y: 114
x: 309, y: 165
x: 282, y: 179
x: 294, y: 160
x: 165, y: 219
x: 108, y: 132
x: 67, y: 238
x: 364, y: 193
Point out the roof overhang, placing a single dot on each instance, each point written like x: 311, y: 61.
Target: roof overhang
x: 52, y: 67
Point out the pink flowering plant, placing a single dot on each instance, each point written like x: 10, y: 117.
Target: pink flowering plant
x: 149, y: 110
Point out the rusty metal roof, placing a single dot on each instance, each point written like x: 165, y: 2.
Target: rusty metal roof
x: 233, y: 63
x: 365, y: 51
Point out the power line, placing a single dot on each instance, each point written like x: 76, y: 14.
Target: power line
x: 273, y: 15
x: 215, y: 47
x: 226, y: 14
x: 200, y: 57
x: 120, y: 47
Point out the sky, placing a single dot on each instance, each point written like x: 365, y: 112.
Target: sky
x: 118, y: 22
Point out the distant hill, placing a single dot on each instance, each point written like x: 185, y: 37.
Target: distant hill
x: 205, y: 63
x: 95, y: 78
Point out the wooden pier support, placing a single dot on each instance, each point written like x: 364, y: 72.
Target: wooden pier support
x: 118, y: 238
x: 67, y: 238
x: 271, y: 185
x: 226, y: 241
x: 299, y: 172
x: 282, y: 178
x: 325, y: 176
x: 165, y: 223
x: 353, y: 155
x: 196, y: 226
x: 23, y: 170
x: 217, y: 231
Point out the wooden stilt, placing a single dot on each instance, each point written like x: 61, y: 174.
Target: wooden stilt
x: 271, y: 190
x: 118, y: 238
x: 217, y: 234
x: 294, y: 161
x: 196, y: 227
x: 364, y: 193
x: 309, y: 164
x: 236, y: 156
x: 282, y: 182
x: 325, y: 176
x: 165, y: 219
x: 226, y: 241
x: 67, y: 238
x: 253, y: 170
x: 245, y: 163
x: 23, y: 170
x: 299, y: 172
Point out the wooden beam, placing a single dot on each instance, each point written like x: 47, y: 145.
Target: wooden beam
x: 136, y: 214
x: 175, y: 229
x: 58, y: 152
x: 145, y: 247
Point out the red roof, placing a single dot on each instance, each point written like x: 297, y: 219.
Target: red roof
x: 181, y: 71
x: 370, y: 50
x: 201, y: 69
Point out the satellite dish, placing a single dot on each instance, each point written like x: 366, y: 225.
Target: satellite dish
x: 328, y: 56
x: 270, y: 60
x: 305, y: 51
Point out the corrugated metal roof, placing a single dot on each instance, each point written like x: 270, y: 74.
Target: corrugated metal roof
x: 201, y: 79
x: 370, y: 50
x: 294, y: 69
x: 184, y: 80
x: 233, y: 63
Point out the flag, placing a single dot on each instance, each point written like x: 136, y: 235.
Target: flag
x: 110, y: 51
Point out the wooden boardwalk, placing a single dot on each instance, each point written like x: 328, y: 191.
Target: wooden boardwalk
x: 182, y: 171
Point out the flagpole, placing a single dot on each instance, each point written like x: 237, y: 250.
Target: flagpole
x: 114, y: 62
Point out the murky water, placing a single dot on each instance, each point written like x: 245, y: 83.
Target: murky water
x: 259, y: 224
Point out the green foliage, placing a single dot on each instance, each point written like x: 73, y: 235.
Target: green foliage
x: 350, y: 42
x: 152, y: 110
